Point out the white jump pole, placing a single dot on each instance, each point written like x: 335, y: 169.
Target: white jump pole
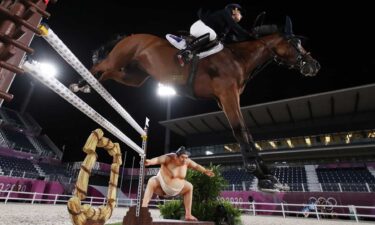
x: 70, y: 58
x: 52, y: 83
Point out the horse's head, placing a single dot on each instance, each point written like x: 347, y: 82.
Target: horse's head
x: 289, y: 52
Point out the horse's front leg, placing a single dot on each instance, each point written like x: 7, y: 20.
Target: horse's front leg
x: 252, y: 161
x: 97, y: 71
x: 231, y: 107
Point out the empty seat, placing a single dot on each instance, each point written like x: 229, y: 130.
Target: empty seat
x: 17, y: 167
x: 350, y: 179
x: 295, y: 177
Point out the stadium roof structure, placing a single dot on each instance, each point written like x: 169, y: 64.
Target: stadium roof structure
x: 346, y: 110
x: 340, y: 110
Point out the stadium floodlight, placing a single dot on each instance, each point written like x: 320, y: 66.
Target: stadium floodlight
x: 348, y: 137
x: 165, y: 90
x: 258, y: 146
x: 290, y: 144
x: 272, y: 143
x: 47, y: 69
x: 327, y: 139
x: 228, y: 148
x: 308, y: 141
x: 209, y: 153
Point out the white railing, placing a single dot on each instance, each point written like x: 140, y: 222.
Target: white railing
x: 303, y: 187
x: 254, y: 208
x: 319, y: 211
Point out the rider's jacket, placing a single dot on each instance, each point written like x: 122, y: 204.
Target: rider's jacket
x: 223, y: 24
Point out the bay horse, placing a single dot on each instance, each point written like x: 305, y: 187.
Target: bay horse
x: 222, y: 76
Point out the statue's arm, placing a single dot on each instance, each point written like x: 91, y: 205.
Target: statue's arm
x: 195, y: 166
x: 157, y: 160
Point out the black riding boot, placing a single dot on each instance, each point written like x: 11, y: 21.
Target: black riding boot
x: 185, y: 55
x: 255, y: 165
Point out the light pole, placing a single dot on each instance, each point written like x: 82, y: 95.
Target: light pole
x: 27, y: 98
x: 168, y: 92
x: 122, y: 173
x: 167, y: 131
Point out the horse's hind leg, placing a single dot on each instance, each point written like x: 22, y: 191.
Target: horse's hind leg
x: 130, y: 75
x: 129, y: 79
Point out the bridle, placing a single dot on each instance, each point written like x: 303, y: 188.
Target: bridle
x: 299, y: 58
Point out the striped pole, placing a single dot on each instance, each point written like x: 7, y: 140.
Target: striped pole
x: 52, y: 83
x: 70, y: 58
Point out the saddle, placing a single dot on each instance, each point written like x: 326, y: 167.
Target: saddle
x: 181, y: 42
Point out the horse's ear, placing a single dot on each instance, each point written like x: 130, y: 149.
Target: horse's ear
x: 288, y: 29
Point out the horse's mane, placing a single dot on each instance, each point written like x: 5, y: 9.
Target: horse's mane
x: 258, y: 32
x: 264, y: 30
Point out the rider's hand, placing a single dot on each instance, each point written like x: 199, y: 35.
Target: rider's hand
x: 147, y: 162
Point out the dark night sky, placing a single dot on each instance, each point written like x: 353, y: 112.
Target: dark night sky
x: 339, y: 38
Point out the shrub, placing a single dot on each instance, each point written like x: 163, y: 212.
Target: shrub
x: 206, y: 203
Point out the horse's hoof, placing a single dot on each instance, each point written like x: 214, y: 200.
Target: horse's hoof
x: 250, y: 167
x: 86, y: 89
x: 74, y: 87
x: 271, y: 185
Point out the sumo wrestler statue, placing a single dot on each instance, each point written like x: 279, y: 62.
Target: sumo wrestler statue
x: 170, y: 181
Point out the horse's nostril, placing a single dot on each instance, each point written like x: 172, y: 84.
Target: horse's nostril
x: 317, y: 65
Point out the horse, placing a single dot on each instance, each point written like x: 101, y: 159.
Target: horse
x: 222, y: 77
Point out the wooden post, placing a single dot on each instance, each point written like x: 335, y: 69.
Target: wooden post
x: 18, y: 26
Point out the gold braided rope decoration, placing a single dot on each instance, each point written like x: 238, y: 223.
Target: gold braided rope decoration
x: 86, y: 214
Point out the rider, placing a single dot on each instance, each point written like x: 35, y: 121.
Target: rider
x: 221, y: 25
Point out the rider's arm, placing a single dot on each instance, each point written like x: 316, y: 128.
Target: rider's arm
x: 235, y: 27
x: 157, y: 160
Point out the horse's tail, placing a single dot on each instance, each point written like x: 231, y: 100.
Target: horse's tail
x: 100, y: 53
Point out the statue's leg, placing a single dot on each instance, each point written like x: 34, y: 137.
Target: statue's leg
x: 187, y: 193
x: 153, y: 187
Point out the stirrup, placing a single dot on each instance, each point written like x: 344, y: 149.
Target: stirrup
x: 180, y: 60
x: 184, y: 57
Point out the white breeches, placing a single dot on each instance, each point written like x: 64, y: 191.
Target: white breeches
x: 199, y: 28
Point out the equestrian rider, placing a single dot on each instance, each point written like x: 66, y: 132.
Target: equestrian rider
x: 221, y: 25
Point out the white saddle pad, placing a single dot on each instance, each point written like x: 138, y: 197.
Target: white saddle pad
x: 180, y: 44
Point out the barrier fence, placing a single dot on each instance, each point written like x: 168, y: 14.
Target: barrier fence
x: 357, y: 213
x: 310, y: 187
x: 245, y: 186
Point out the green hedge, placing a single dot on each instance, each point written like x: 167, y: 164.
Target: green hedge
x: 206, y: 203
